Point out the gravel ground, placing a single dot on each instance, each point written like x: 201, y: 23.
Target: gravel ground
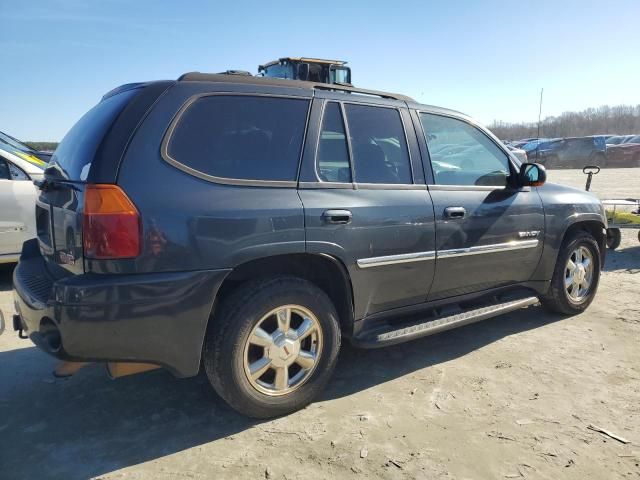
x: 511, y: 397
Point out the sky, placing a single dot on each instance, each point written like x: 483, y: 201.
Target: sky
x: 488, y: 59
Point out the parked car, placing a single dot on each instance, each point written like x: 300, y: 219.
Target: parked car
x: 519, y: 153
x: 17, y: 199
x: 625, y: 154
x: 573, y: 152
x: 39, y: 157
x: 251, y: 225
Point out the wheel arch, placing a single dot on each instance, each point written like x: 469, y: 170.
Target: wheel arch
x: 324, y: 271
x: 595, y: 228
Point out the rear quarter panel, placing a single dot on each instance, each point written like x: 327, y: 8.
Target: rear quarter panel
x: 189, y: 223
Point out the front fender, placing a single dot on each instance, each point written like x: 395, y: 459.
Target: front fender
x: 566, y: 209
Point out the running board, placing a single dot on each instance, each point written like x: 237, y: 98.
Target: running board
x: 388, y: 335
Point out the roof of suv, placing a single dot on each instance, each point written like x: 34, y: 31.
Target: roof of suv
x: 249, y: 79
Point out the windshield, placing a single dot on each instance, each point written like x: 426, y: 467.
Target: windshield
x: 279, y: 71
x: 12, y: 142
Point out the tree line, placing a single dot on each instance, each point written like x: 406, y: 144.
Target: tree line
x: 617, y: 120
x: 42, y: 145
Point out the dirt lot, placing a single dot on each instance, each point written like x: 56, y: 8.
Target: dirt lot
x: 510, y: 397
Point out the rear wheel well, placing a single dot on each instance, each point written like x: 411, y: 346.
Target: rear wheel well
x: 593, y: 228
x: 327, y: 272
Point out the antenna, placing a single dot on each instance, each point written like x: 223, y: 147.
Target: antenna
x: 539, y: 117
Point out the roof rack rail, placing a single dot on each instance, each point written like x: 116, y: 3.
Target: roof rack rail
x: 217, y: 77
x: 362, y: 91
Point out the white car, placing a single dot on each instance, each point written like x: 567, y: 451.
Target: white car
x: 17, y: 202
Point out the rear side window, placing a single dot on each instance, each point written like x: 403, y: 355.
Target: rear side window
x: 333, y: 153
x: 78, y: 147
x: 241, y: 137
x: 378, y: 144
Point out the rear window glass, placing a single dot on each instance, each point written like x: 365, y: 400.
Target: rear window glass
x: 241, y: 137
x: 76, y: 151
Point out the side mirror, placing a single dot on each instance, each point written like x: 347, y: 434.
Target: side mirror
x: 532, y: 175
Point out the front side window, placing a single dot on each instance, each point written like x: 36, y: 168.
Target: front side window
x: 333, y: 153
x: 241, y: 137
x: 378, y: 144
x: 463, y: 155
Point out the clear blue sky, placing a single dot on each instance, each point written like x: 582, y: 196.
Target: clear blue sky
x: 488, y: 59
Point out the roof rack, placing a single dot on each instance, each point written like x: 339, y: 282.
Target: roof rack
x: 230, y: 78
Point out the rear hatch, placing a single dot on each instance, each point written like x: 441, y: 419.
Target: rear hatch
x: 89, y: 153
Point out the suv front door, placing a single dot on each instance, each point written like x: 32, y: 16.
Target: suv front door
x: 361, y: 203
x: 488, y: 231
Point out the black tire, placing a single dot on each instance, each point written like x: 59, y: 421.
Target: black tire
x: 557, y: 299
x: 614, y: 237
x: 228, y: 331
x: 636, y: 160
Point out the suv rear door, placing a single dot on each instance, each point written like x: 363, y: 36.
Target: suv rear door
x: 488, y: 232
x: 365, y: 201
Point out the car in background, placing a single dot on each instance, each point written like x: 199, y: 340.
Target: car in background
x: 18, y: 199
x: 518, y: 152
x: 39, y: 157
x: 619, y: 139
x: 572, y: 152
x: 625, y: 153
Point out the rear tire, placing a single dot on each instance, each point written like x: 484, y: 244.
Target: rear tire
x: 614, y: 237
x: 573, y: 289
x: 266, y: 326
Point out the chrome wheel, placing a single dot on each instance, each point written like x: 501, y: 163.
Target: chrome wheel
x: 578, y: 274
x: 283, y: 350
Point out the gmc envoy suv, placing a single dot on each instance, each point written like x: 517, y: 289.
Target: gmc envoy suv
x: 250, y: 225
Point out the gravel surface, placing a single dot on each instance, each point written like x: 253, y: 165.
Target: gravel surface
x: 511, y: 397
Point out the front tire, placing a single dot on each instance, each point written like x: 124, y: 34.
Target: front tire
x: 272, y: 346
x: 576, y: 275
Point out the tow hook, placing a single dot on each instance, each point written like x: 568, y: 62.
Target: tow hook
x: 17, y: 326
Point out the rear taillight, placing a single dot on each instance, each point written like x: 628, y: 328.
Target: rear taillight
x: 111, y: 226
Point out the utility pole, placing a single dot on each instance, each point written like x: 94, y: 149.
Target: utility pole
x: 539, y: 120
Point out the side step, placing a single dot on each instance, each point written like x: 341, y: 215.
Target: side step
x: 388, y: 335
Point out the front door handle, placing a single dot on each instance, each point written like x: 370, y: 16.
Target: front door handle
x: 455, y: 213
x: 338, y: 217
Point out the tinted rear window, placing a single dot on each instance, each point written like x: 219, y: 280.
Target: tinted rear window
x: 78, y: 147
x: 241, y: 137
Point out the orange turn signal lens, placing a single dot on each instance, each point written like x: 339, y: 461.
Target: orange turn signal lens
x: 111, y: 226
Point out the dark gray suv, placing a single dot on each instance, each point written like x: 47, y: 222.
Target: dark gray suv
x: 252, y: 224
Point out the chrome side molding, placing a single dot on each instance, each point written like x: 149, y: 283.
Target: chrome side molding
x: 495, y: 248
x: 455, y: 252
x: 394, y: 259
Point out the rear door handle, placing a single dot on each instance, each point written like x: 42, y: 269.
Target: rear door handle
x: 339, y: 217
x: 455, y: 213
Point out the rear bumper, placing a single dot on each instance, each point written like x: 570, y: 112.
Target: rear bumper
x: 157, y: 318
